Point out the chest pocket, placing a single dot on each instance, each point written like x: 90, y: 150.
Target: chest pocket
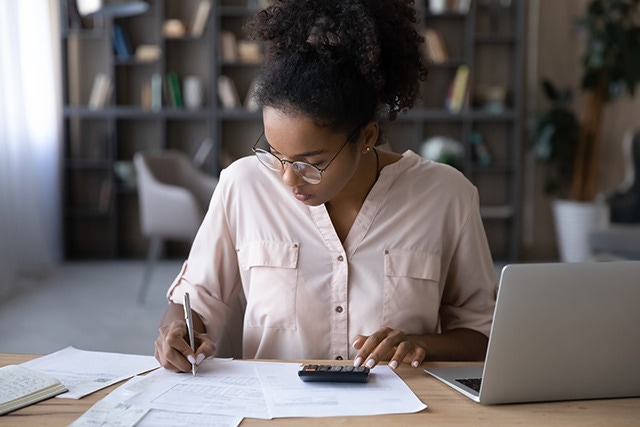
x: 272, y: 272
x: 411, y: 291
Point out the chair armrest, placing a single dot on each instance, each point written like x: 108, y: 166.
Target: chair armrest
x: 169, y: 211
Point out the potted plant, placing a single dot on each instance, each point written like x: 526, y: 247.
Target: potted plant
x: 555, y: 142
x: 555, y: 139
x: 611, y: 66
x: 571, y: 146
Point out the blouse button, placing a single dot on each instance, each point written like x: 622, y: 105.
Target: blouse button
x: 340, y: 258
x: 339, y: 358
x: 339, y: 309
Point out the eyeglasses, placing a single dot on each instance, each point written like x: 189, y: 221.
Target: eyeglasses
x: 308, y: 172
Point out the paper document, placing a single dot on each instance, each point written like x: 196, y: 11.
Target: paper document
x: 221, y: 387
x: 270, y: 390
x: 84, y: 372
x: 113, y: 411
x: 287, y: 396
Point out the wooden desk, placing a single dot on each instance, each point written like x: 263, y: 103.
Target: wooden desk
x: 446, y: 407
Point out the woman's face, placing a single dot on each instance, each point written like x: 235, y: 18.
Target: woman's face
x: 298, y: 138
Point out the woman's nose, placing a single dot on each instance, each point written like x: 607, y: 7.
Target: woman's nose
x: 289, y: 177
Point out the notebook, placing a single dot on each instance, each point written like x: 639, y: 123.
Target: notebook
x: 561, y: 331
x: 20, y: 386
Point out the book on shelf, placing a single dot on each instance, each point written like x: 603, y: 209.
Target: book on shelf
x: 436, y: 48
x: 458, y: 90
x: 175, y: 93
x: 100, y: 92
x: 21, y: 386
x: 227, y: 92
x: 228, y: 46
x: 121, y: 42
x: 156, y: 92
x: 200, y: 18
x: 104, y: 197
x: 145, y: 95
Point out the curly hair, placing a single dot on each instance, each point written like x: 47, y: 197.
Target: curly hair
x: 340, y: 62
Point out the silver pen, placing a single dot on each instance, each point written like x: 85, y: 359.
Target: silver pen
x: 189, y: 319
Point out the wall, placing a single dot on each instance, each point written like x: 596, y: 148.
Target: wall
x: 559, y: 50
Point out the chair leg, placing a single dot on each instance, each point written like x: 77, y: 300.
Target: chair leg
x: 152, y: 255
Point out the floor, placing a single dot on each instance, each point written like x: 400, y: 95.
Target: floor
x: 88, y: 305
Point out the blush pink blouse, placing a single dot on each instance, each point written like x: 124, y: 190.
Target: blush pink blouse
x: 416, y: 259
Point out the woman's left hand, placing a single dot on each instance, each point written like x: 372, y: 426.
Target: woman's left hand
x: 388, y: 344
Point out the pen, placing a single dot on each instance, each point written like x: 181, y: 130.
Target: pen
x: 189, y: 320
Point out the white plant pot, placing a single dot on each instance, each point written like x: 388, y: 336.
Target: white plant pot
x: 573, y: 222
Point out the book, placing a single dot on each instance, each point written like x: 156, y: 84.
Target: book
x: 200, y: 18
x: 20, y: 387
x: 145, y: 95
x: 435, y: 46
x: 175, y: 93
x: 156, y: 92
x: 458, y: 90
x: 228, y: 46
x: 104, y: 197
x: 227, y: 92
x: 121, y: 43
x: 100, y: 92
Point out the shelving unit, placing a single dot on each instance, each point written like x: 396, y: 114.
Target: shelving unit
x: 489, y: 40
x: 101, y: 212
x: 100, y: 207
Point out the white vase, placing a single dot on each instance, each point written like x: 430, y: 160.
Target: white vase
x: 573, y: 223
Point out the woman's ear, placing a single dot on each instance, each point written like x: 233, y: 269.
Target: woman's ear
x: 369, y: 135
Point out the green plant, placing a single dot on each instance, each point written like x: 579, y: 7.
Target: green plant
x: 611, y: 65
x: 555, y: 139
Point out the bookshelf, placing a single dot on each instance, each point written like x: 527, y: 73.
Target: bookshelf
x: 137, y: 112
x: 488, y: 41
x: 101, y: 216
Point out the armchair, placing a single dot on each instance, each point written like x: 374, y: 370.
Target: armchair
x: 173, y: 196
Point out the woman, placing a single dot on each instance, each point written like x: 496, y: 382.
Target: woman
x: 342, y: 250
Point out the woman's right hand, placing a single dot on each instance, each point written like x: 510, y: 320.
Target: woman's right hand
x: 172, y: 349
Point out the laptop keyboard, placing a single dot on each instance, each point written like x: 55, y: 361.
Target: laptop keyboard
x: 472, y: 383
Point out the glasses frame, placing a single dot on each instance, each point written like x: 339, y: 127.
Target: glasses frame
x: 255, y: 150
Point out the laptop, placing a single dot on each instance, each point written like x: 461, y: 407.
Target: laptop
x: 561, y: 331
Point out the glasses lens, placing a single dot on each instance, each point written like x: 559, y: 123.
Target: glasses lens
x: 307, y: 172
x: 268, y: 159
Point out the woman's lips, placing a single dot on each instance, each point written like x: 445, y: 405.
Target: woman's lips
x: 302, y: 197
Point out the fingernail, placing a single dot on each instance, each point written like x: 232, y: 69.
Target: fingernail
x: 191, y: 359
x: 357, y: 362
x: 199, y: 358
x: 415, y: 364
x: 370, y: 363
x: 393, y: 364
x: 354, y: 344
